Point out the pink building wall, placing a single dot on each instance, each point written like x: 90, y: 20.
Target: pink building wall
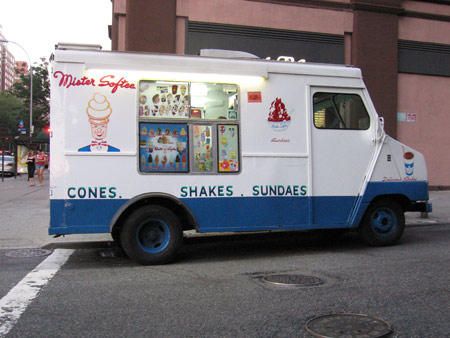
x: 424, y: 30
x: 426, y: 7
x: 426, y: 96
x: 265, y: 14
x: 260, y: 14
x: 429, y: 98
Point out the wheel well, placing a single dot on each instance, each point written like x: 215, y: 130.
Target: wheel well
x: 180, y: 210
x: 402, y: 200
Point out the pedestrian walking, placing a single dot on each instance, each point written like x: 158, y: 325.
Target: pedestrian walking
x: 41, y: 160
x: 31, y: 167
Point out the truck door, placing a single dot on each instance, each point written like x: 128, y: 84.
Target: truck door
x: 342, y: 150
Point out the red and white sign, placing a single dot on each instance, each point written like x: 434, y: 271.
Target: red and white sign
x: 254, y: 97
x: 411, y: 117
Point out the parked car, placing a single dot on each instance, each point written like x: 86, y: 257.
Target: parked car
x: 8, y: 165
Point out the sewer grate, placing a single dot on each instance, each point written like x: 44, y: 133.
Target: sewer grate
x: 347, y: 325
x: 292, y: 280
x: 24, y: 253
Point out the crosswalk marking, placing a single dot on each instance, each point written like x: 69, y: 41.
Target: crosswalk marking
x: 20, y: 296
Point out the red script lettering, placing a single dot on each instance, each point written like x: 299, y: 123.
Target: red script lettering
x: 122, y: 83
x: 68, y: 81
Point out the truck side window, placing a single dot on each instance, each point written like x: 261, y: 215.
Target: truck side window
x: 214, y: 101
x: 188, y: 127
x: 228, y: 144
x: 163, y: 147
x: 202, y: 144
x: 164, y: 99
x: 340, y: 111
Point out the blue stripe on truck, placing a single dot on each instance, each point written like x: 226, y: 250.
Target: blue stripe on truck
x: 76, y: 216
x: 413, y: 190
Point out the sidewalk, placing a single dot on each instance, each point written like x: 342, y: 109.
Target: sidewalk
x: 25, y: 213
x: 441, y: 210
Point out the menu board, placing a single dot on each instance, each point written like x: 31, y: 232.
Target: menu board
x: 228, y: 143
x: 163, y: 147
x: 164, y: 99
x: 202, y: 148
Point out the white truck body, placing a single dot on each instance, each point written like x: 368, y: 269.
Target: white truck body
x: 296, y: 146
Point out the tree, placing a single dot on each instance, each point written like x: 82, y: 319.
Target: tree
x: 11, y: 112
x: 41, y: 96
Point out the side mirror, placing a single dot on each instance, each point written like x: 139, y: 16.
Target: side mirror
x: 381, y: 122
x: 380, y: 129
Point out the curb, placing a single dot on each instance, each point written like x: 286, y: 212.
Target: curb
x: 427, y: 224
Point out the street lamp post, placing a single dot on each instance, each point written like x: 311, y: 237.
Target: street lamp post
x: 31, y: 83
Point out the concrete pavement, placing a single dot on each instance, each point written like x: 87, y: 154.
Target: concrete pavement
x: 441, y: 210
x: 24, y: 215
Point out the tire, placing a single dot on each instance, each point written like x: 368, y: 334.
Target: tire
x: 383, y: 224
x: 151, y: 235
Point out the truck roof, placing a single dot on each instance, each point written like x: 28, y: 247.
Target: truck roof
x: 198, y: 64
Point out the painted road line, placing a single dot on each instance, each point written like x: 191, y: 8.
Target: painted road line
x: 20, y: 296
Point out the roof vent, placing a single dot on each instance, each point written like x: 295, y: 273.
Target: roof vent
x: 224, y: 53
x: 82, y: 46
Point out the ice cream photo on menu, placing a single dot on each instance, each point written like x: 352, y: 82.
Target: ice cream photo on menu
x: 98, y: 111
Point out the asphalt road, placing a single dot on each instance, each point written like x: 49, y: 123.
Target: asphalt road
x: 215, y: 288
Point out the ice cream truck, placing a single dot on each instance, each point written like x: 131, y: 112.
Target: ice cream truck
x: 146, y: 146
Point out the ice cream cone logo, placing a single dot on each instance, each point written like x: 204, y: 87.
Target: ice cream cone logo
x: 98, y: 111
x: 278, y: 115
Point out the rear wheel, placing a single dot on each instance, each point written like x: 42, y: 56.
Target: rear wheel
x: 383, y: 224
x: 151, y: 235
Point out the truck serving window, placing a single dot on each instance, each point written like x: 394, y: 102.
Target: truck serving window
x: 202, y: 145
x: 163, y: 147
x: 188, y: 127
x: 340, y: 111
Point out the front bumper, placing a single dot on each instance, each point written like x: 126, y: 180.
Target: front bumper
x: 424, y: 206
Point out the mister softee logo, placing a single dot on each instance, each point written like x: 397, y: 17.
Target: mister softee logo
x: 68, y: 80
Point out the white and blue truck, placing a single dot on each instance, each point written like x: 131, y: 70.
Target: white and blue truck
x: 146, y: 146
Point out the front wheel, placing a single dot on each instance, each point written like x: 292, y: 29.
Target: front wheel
x: 151, y: 235
x: 383, y: 224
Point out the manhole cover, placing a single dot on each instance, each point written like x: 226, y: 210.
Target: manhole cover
x: 292, y: 280
x: 23, y: 253
x: 347, y: 325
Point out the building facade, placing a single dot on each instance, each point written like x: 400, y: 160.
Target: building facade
x: 402, y: 47
x: 21, y: 68
x: 7, y: 66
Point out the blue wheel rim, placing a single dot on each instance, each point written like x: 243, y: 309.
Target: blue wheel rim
x: 153, y: 236
x: 383, y: 220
